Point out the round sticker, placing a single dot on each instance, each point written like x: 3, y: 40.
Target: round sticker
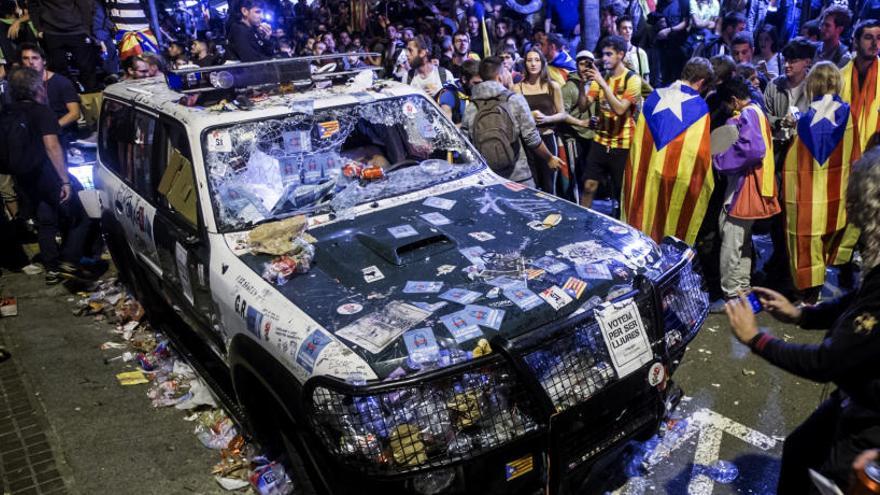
x: 349, y: 309
x: 656, y: 374
x: 618, y: 229
x: 409, y: 109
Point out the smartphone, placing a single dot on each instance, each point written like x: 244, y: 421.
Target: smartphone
x: 757, y: 307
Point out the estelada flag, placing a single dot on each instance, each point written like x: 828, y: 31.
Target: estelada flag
x: 668, y: 178
x: 864, y: 99
x: 815, y: 176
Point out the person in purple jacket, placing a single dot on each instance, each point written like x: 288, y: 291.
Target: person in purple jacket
x: 751, y: 185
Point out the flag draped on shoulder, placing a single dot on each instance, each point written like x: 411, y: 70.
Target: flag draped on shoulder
x: 668, y: 179
x: 815, y: 176
x: 863, y: 96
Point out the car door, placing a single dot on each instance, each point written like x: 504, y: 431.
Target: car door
x: 181, y: 241
x: 126, y: 150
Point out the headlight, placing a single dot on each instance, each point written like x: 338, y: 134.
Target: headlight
x: 685, y: 300
x: 424, y: 422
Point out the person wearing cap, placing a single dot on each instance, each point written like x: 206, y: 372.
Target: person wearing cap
x: 576, y: 138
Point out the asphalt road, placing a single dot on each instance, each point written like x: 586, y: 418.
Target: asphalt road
x: 108, y: 439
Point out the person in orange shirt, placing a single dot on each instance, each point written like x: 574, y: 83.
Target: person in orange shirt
x: 614, y: 93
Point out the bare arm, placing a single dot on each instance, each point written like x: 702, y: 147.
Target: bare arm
x: 56, y: 156
x: 71, y: 116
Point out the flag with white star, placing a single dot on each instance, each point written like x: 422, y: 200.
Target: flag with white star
x: 668, y: 178
x: 814, y: 182
x: 822, y: 126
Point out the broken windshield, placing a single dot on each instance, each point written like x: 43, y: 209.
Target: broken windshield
x: 331, y: 160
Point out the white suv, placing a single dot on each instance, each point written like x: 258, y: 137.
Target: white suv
x: 453, y: 333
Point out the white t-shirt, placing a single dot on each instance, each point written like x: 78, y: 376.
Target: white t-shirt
x: 432, y: 84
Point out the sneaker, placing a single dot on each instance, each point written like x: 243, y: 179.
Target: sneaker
x: 717, y: 306
x: 53, y: 278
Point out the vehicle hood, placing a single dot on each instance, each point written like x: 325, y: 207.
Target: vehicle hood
x: 403, y: 245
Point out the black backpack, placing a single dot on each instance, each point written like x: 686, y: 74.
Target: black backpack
x: 495, y: 134
x: 19, y: 152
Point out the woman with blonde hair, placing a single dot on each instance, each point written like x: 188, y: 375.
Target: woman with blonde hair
x: 815, y: 176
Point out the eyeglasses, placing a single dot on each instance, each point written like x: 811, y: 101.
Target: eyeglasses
x: 506, y: 56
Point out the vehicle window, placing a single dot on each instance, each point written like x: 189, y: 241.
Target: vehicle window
x: 176, y: 189
x: 141, y: 149
x: 114, y: 132
x: 126, y: 145
x: 309, y: 162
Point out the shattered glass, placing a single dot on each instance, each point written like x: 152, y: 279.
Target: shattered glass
x: 320, y: 161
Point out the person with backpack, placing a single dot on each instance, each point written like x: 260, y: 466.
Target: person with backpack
x: 455, y: 97
x: 422, y: 73
x: 615, y: 97
x: 31, y: 152
x: 498, y: 122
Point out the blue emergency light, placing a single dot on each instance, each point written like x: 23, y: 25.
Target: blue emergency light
x: 243, y: 75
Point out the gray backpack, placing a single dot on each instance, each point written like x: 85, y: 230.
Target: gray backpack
x: 495, y: 133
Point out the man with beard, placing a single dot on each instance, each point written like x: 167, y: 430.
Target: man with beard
x: 422, y: 73
x: 668, y: 178
x: 461, y: 51
x: 861, y: 87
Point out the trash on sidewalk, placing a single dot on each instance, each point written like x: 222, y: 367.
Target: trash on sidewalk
x: 175, y: 383
x: 136, y: 377
x: 8, y: 306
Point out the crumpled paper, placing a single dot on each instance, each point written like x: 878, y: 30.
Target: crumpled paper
x: 276, y: 238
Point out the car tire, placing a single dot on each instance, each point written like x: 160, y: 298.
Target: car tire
x: 273, y: 430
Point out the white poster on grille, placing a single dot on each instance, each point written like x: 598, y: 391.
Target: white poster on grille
x: 625, y: 336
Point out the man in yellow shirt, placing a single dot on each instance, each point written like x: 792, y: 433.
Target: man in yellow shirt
x: 614, y: 93
x: 861, y: 81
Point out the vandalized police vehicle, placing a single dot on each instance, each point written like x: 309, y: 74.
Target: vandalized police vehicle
x: 394, y: 317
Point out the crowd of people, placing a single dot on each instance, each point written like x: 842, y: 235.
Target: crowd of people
x: 704, y: 119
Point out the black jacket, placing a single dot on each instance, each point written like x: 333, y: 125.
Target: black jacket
x: 246, y: 45
x: 848, y: 355
x: 62, y: 16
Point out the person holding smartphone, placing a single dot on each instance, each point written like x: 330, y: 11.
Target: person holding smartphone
x: 848, y: 422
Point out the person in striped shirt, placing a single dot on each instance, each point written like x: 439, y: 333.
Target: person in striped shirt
x: 614, y: 96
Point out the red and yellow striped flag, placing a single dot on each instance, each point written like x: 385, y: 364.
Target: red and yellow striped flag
x: 668, y: 178
x: 864, y: 99
x: 814, y: 182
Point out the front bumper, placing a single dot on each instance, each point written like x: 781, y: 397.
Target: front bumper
x: 538, y: 413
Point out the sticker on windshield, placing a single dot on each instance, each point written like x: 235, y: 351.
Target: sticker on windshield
x: 401, y: 231
x: 421, y: 344
x: 574, y: 287
x: 556, y: 297
x: 349, y: 309
x: 514, y: 186
x: 524, y: 298
x: 422, y: 287
x: 219, y: 142
x: 329, y: 128
x: 474, y: 254
x: 410, y: 110
x: 593, y: 271
x: 296, y: 141
x: 552, y: 265
x: 483, y: 316
x: 460, y: 328
x: 310, y: 349
x: 461, y: 296
x: 625, y: 336
x: 375, y: 331
x: 436, y: 219
x: 372, y: 274
x: 482, y: 236
x: 441, y: 203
